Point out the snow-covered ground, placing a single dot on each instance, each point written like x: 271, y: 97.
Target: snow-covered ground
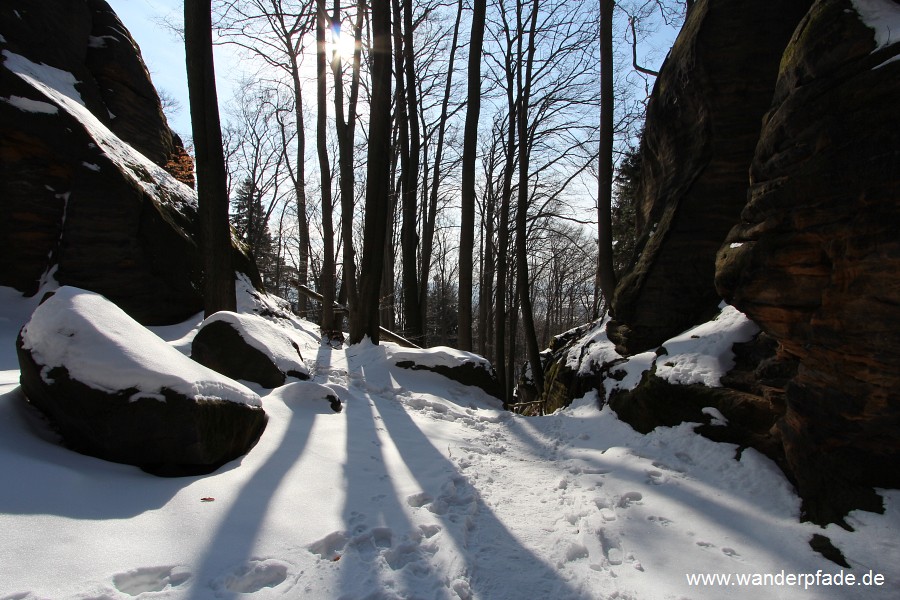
x: 420, y: 488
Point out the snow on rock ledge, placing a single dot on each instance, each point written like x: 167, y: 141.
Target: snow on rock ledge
x: 118, y: 392
x: 465, y: 367
x: 251, y: 348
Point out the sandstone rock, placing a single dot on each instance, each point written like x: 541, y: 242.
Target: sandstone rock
x: 463, y: 367
x: 116, y: 391
x: 83, y: 143
x: 702, y: 125
x: 249, y: 347
x: 815, y: 259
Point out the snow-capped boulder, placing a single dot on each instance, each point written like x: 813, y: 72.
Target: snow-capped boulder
x: 464, y: 367
x: 116, y: 391
x: 249, y: 347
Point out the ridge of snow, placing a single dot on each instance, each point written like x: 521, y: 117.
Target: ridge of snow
x: 29, y: 105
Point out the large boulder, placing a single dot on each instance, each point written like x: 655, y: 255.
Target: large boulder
x: 250, y: 347
x: 815, y: 258
x: 703, y: 121
x: 84, y: 147
x: 463, y: 367
x: 116, y: 391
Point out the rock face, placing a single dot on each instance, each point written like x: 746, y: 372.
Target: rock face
x: 702, y: 125
x: 815, y: 259
x: 116, y: 391
x: 84, y: 192
x: 248, y: 347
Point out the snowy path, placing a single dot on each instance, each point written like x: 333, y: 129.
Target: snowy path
x: 420, y: 488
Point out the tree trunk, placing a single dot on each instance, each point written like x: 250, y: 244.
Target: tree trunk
x: 300, y: 189
x: 345, y: 133
x: 212, y: 194
x: 606, y: 275
x: 467, y: 193
x: 522, y: 283
x: 503, y: 234
x: 328, y: 268
x: 377, y: 213
x: 409, y: 238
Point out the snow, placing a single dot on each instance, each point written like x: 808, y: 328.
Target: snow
x: 702, y: 354
x: 104, y: 348
x: 882, y: 16
x: 439, y: 356
x: 29, y: 105
x: 420, y: 488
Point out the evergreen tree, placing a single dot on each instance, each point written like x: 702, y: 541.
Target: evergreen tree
x: 249, y: 220
x: 624, y: 209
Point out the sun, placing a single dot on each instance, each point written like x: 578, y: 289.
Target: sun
x: 340, y: 41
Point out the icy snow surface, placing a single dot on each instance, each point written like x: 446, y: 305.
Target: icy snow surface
x: 420, y: 488
x: 104, y: 348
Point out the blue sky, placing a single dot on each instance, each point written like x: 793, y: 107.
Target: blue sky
x: 163, y: 52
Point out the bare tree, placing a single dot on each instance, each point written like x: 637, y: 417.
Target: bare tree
x: 345, y: 133
x: 274, y: 32
x: 328, y: 268
x: 470, y: 147
x: 606, y: 275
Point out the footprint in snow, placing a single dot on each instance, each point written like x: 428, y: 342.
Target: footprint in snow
x: 629, y: 498
x: 419, y: 500
x: 255, y: 575
x: 150, y: 579
x: 655, y: 477
x: 660, y: 521
x: 730, y: 552
x: 612, y: 548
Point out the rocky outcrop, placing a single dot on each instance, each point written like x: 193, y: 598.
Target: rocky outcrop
x: 815, y: 258
x: 83, y: 146
x: 116, y: 391
x: 250, y: 348
x: 702, y: 125
x: 463, y: 367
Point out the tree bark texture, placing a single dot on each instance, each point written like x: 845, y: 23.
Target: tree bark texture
x: 328, y: 267
x: 470, y: 148
x: 606, y: 275
x: 212, y: 187
x: 377, y: 205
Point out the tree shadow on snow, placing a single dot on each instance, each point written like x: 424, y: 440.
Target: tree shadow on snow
x: 496, y: 564
x: 41, y: 476
x: 239, y: 529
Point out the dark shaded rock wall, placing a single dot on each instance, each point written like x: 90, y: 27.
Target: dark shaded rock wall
x: 702, y: 124
x: 83, y: 187
x: 815, y: 259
